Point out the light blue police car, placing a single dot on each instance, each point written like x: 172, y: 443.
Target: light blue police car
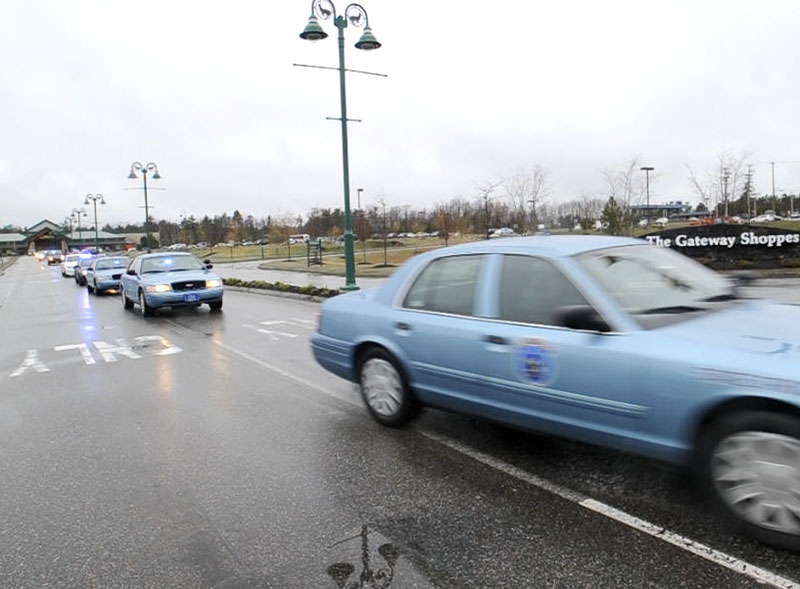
x: 105, y: 273
x: 170, y: 280
x: 607, y: 340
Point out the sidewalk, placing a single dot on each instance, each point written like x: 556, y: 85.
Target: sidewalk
x: 251, y: 271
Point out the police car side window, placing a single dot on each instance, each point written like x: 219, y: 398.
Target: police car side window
x: 446, y: 285
x: 533, y: 290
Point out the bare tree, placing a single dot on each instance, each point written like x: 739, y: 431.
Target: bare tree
x: 626, y: 187
x: 716, y: 186
x: 527, y: 187
x: 485, y: 191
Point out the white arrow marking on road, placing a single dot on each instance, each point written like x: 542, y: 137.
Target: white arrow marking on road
x: 122, y: 348
x: 83, y: 348
x: 273, y: 334
x: 31, y: 361
x: 168, y: 350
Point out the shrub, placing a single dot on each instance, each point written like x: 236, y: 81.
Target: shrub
x: 282, y: 287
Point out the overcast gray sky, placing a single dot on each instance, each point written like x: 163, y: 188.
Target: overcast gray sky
x: 475, y: 91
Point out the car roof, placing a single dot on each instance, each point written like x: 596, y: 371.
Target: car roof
x: 552, y: 245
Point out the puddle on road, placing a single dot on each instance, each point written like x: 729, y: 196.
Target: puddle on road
x: 368, y: 560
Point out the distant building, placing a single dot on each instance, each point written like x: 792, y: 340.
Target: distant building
x: 48, y: 235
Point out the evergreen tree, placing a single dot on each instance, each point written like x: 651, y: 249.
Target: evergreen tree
x: 612, y: 217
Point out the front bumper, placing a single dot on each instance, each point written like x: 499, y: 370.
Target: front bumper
x: 334, y: 355
x: 108, y: 283
x: 185, y: 298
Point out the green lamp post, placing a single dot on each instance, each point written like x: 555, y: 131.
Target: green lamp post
x: 357, y: 16
x: 144, y: 169
x: 94, y: 198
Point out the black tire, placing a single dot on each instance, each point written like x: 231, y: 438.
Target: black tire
x: 127, y: 304
x: 215, y: 306
x: 143, y: 308
x: 384, y: 388
x: 90, y: 288
x: 758, y: 454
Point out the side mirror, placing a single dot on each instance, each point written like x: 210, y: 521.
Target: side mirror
x: 744, y: 278
x: 209, y: 266
x: 582, y: 317
x: 131, y: 272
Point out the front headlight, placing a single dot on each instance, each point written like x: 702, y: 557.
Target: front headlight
x: 213, y: 283
x: 158, y: 288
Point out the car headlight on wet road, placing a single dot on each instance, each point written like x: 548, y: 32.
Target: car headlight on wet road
x: 158, y: 288
x: 213, y: 283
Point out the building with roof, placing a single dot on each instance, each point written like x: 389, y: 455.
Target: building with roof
x: 46, y: 235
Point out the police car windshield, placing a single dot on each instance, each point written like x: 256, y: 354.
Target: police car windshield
x: 170, y: 264
x: 648, y: 280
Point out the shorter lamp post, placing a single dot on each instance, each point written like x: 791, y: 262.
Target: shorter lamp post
x: 144, y: 169
x: 94, y: 198
x: 78, y: 213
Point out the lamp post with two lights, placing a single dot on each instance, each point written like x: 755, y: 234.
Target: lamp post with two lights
x: 144, y: 169
x: 357, y: 16
x: 94, y: 199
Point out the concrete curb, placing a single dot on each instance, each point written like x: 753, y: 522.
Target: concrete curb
x: 278, y: 293
x: 6, y: 263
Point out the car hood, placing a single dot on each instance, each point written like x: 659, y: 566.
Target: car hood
x: 180, y: 276
x: 109, y: 271
x: 758, y: 327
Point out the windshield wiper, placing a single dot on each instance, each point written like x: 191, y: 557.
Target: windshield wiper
x: 673, y: 310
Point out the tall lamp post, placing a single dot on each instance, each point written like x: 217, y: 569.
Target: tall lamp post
x: 78, y: 213
x: 357, y: 16
x: 647, y: 170
x: 95, y: 198
x: 144, y: 169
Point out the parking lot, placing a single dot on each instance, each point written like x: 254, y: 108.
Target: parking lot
x: 210, y: 450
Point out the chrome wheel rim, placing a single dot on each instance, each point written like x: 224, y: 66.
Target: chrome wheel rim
x: 757, y: 475
x: 382, y: 386
x: 142, y: 304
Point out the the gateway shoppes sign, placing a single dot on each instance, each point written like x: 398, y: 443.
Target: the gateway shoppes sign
x: 726, y: 246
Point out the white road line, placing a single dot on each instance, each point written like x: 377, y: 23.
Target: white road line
x: 282, y: 372
x: 742, y: 567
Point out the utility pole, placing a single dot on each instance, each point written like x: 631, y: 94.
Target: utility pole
x: 725, y: 177
x: 772, y: 164
x: 749, y: 188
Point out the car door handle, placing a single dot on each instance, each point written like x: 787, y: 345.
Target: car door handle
x: 496, y: 339
x: 402, y: 325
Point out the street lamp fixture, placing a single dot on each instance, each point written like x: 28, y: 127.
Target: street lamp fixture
x: 356, y: 15
x: 77, y: 213
x: 94, y: 199
x: 647, y: 170
x: 144, y: 169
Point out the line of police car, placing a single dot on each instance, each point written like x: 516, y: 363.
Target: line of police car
x: 151, y: 281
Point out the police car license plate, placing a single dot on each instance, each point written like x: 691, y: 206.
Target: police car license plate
x: 190, y: 298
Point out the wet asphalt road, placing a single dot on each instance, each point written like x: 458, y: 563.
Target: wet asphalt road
x: 194, y: 449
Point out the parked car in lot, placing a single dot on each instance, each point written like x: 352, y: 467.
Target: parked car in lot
x: 605, y: 340
x: 82, y: 268
x: 170, y: 280
x: 69, y: 263
x: 104, y: 273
